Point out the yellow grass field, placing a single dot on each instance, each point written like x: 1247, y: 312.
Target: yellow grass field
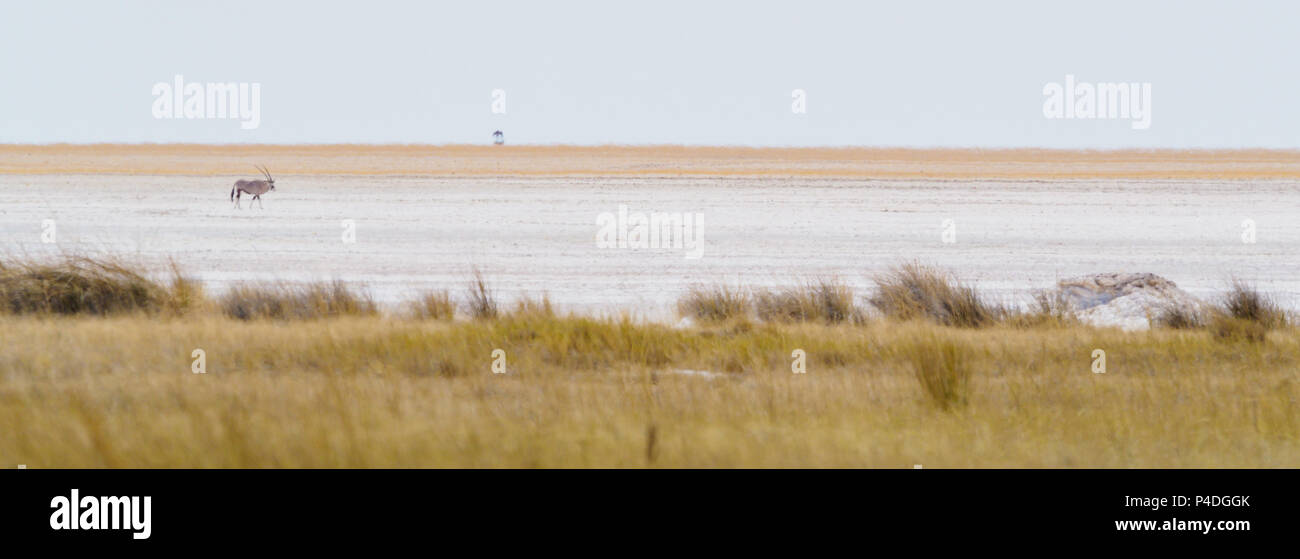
x: 384, y: 392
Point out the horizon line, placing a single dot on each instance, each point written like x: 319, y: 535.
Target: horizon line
x: 866, y: 147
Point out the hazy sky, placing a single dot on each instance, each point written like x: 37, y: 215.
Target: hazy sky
x: 904, y: 73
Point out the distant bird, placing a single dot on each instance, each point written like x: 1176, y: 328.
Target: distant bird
x: 498, y: 138
x: 253, y: 188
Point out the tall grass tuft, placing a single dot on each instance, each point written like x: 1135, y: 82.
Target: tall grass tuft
x: 942, y: 367
x: 822, y: 300
x: 186, y: 294
x: 914, y: 291
x: 1047, y: 309
x: 536, y: 308
x: 481, y: 300
x: 1180, y: 316
x: 92, y: 286
x: 1233, y: 329
x: 1244, y: 302
x: 714, y: 303
x: 296, y: 301
x: 433, y: 305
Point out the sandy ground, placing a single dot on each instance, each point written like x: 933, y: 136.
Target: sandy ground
x: 646, y: 161
x: 537, y: 233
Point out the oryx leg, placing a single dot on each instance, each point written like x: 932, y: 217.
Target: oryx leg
x: 238, y: 194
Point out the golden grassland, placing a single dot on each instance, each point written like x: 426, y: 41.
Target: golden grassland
x: 659, y: 161
x: 384, y: 392
x: 97, y: 370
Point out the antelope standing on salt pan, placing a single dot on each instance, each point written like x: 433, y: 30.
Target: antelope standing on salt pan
x: 254, y: 188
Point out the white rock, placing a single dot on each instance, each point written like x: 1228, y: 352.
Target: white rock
x: 1126, y: 301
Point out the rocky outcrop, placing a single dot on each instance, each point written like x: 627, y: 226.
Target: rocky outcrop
x: 1127, y: 301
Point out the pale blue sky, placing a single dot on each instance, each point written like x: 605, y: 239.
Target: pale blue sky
x: 1223, y: 74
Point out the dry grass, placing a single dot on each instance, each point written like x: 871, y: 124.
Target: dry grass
x: 296, y: 301
x: 528, y: 306
x: 358, y: 389
x: 81, y: 285
x: 1243, y: 314
x: 1181, y: 317
x: 1244, y: 302
x: 823, y: 300
x: 1047, y: 309
x: 481, y: 300
x: 715, y: 303
x: 433, y: 305
x: 1233, y: 329
x: 913, y: 291
x: 377, y: 392
x: 942, y: 367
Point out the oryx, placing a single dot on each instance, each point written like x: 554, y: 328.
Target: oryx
x: 254, y: 188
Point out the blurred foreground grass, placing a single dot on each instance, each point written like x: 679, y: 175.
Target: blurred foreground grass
x: 376, y: 391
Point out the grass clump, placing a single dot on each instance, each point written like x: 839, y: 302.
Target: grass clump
x: 1244, y: 302
x: 1247, y: 315
x: 1233, y: 329
x: 538, y: 308
x: 1180, y: 316
x: 433, y: 305
x: 482, y: 300
x: 714, y: 303
x: 296, y: 301
x: 942, y: 367
x: 823, y: 300
x: 79, y: 285
x: 186, y: 294
x: 1048, y: 308
x: 1242, y: 314
x: 913, y: 291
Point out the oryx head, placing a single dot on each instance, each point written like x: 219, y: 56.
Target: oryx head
x: 269, y: 180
